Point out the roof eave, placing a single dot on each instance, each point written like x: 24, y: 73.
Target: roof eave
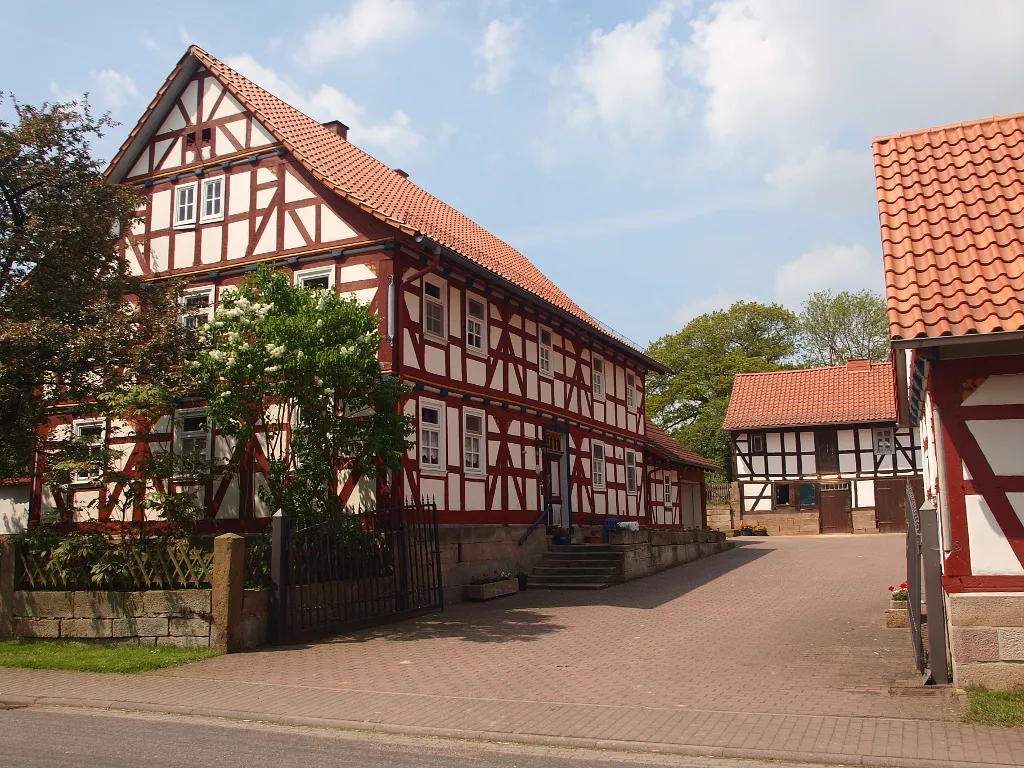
x: 743, y: 427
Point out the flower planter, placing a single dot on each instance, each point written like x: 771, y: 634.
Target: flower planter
x: 591, y: 539
x: 491, y: 590
x: 760, y: 533
x: 898, y: 604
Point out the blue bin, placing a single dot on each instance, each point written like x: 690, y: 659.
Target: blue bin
x: 610, y: 524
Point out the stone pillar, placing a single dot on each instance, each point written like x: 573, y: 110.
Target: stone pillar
x: 228, y: 585
x: 8, y: 553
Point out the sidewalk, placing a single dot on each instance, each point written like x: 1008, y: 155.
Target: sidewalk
x: 774, y: 650
x: 805, y: 738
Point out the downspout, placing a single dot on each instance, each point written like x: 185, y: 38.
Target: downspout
x: 940, y: 460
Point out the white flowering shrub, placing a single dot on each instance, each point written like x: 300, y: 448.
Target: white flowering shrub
x: 297, y: 371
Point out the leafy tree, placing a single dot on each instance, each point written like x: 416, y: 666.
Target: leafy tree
x: 303, y: 363
x: 73, y: 321
x: 690, y: 401
x: 845, y: 326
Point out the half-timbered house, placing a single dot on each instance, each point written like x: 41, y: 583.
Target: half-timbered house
x: 950, y: 202
x: 818, y: 450
x: 525, y: 407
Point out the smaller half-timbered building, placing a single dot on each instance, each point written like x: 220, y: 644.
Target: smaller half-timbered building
x: 819, y: 450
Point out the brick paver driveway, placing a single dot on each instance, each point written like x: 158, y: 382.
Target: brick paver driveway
x: 776, y: 650
x: 786, y: 625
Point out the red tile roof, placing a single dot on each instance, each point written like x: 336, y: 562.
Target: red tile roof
x: 378, y: 189
x: 662, y: 443
x: 842, y: 394
x: 951, y: 206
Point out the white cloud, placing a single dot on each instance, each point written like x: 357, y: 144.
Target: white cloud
x: 61, y: 95
x: 395, y: 136
x: 794, y: 71
x: 114, y: 89
x: 706, y: 304
x: 497, y: 50
x: 365, y: 23
x: 151, y: 44
x: 624, y: 76
x: 183, y: 35
x: 824, y: 178
x: 837, y: 267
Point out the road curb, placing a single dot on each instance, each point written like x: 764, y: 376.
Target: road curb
x: 657, y: 748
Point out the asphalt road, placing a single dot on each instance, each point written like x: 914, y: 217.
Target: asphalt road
x: 41, y: 737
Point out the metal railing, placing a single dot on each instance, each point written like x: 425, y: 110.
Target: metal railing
x: 924, y: 591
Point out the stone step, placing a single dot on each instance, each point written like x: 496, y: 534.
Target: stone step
x: 564, y: 585
x: 581, y: 549
x: 587, y: 562
x: 574, y: 578
x: 549, y: 570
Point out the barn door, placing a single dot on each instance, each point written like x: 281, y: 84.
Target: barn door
x: 891, y: 502
x: 834, y: 505
x: 826, y: 450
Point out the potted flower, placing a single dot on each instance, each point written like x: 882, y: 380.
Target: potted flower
x: 896, y: 615
x: 560, y: 535
x: 594, y: 535
x: 899, y: 595
x: 747, y: 530
x: 761, y: 530
x: 486, y: 586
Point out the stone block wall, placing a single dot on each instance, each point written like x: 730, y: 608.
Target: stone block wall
x: 720, y: 518
x: 785, y: 523
x: 986, y: 638
x: 180, y: 617
x: 470, y: 550
x: 158, y: 617
x: 864, y: 521
x: 646, y: 557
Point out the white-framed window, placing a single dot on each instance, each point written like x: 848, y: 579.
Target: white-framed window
x: 474, y: 442
x: 630, y: 472
x: 185, y: 204
x: 434, y: 307
x: 668, y: 489
x: 191, y: 440
x: 431, y: 445
x: 597, y: 464
x: 90, y: 433
x: 544, y: 351
x: 885, y: 443
x: 631, y: 397
x: 597, y: 377
x: 315, y: 279
x: 757, y: 442
x: 197, y: 306
x: 476, y: 325
x: 212, y: 208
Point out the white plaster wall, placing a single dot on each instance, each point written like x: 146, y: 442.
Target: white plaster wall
x: 14, y: 508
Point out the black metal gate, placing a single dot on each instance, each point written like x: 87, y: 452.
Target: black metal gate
x: 362, y: 568
x: 924, y: 591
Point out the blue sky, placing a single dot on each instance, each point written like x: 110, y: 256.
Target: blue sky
x: 655, y: 159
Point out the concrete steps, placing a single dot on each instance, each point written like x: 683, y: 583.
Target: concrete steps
x: 586, y: 566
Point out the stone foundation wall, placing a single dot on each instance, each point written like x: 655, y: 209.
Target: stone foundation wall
x: 785, y: 523
x: 986, y: 638
x: 864, y: 521
x: 470, y: 550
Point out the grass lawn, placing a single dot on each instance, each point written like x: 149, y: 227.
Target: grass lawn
x: 995, y: 707
x: 95, y: 657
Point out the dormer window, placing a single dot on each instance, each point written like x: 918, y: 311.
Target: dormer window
x: 185, y: 204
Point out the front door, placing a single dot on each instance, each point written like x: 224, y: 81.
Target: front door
x: 554, y: 478
x: 891, y: 502
x: 834, y: 505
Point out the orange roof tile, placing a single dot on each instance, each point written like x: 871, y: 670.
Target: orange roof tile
x: 662, y: 443
x: 378, y: 189
x: 951, y: 207
x: 842, y: 394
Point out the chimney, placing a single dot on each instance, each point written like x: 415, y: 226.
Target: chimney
x: 338, y: 127
x: 400, y: 172
x: 858, y: 365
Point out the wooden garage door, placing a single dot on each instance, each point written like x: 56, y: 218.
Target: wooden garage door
x: 891, y: 502
x: 834, y: 504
